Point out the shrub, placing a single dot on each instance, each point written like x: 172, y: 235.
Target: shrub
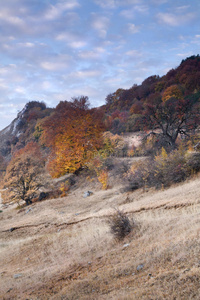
x: 193, y: 162
x: 65, y: 187
x: 103, y: 179
x: 120, y: 225
x: 113, y: 145
x: 99, y: 166
x: 164, y: 169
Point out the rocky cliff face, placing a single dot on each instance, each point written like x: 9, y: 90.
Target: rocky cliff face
x: 8, y: 135
x: 20, y: 131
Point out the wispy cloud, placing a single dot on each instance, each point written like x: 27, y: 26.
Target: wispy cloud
x: 133, y: 11
x: 159, y: 2
x: 73, y: 40
x: 100, y: 24
x: 55, y: 11
x: 174, y: 19
x: 110, y: 4
x: 134, y: 53
x: 95, y: 54
x: 132, y: 28
x: 183, y: 55
x: 106, y: 3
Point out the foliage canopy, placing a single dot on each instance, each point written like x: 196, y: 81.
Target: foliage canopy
x: 23, y: 174
x: 73, y: 133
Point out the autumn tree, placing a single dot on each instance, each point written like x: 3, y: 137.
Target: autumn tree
x: 73, y: 133
x: 173, y: 114
x: 172, y: 91
x: 23, y: 175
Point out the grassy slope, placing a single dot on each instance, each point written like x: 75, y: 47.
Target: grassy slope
x: 63, y: 249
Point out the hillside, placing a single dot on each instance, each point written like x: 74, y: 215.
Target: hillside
x: 63, y: 249
x: 125, y: 108
x: 186, y: 75
x: 66, y: 174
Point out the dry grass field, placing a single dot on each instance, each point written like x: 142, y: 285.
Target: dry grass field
x: 63, y: 249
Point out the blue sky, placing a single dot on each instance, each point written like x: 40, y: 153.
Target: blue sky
x: 53, y: 50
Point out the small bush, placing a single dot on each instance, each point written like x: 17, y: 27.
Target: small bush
x: 120, y: 225
x: 193, y: 162
x: 103, y: 179
x: 164, y: 169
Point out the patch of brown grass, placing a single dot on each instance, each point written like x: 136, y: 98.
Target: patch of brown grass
x: 63, y: 248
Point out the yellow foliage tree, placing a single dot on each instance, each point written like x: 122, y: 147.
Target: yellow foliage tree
x: 172, y: 91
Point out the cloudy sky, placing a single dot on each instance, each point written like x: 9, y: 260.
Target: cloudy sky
x: 52, y: 50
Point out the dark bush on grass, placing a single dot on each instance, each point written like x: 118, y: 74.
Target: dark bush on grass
x: 120, y: 225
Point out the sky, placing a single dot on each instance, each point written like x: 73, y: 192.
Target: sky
x: 53, y: 50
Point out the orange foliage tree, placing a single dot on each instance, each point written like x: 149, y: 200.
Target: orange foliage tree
x: 73, y: 133
x: 22, y: 179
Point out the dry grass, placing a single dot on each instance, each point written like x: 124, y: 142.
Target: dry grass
x: 63, y: 248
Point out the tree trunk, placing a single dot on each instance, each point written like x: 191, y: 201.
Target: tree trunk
x: 28, y: 201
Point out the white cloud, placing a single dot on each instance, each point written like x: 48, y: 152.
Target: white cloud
x: 159, y: 2
x: 141, y: 8
x: 20, y: 90
x: 132, y: 28
x: 184, y: 55
x: 46, y: 85
x: 168, y: 18
x: 6, y: 16
x: 106, y: 3
x: 174, y: 19
x: 55, y: 11
x: 111, y: 4
x: 77, y: 44
x: 71, y: 4
x: 85, y: 74
x: 129, y: 2
x: 133, y: 12
x: 25, y: 44
x: 100, y: 24
x: 95, y: 54
x: 51, y: 62
x: 182, y: 8
x: 128, y: 13
x: 73, y: 40
x: 56, y: 63
x: 133, y: 53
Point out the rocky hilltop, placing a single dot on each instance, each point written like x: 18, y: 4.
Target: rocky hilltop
x: 21, y: 129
